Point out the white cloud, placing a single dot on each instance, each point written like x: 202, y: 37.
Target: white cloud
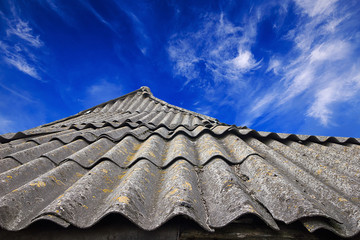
x: 342, y: 89
x: 261, y: 103
x: 321, y: 69
x: 15, y: 57
x: 274, y: 65
x: 22, y: 30
x: 17, y: 51
x: 216, y: 48
x: 17, y: 93
x: 330, y: 51
x: 316, y: 7
x: 245, y: 61
x: 23, y: 66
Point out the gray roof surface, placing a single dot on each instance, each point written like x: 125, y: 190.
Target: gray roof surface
x: 150, y: 161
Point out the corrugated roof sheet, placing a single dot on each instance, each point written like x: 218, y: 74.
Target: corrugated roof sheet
x: 150, y: 161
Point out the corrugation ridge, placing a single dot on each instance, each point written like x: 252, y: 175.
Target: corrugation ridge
x: 317, y: 167
x: 345, y: 164
x: 150, y: 106
x: 13, y: 178
x: 8, y: 164
x: 48, y: 185
x: 135, y: 104
x: 297, y: 137
x: 90, y: 154
x: 129, y: 102
x: 156, y: 118
x: 208, y: 147
x: 29, y: 154
x: 186, y: 120
x: 155, y: 149
x: 167, y: 119
x: 144, y: 105
x: 276, y: 192
x: 319, y: 191
x: 106, y: 107
x: 13, y: 149
x: 123, y: 103
x: 122, y: 199
x: 176, y: 120
x: 115, y: 106
x: 219, y: 184
x: 91, y: 136
x: 59, y: 154
x: 179, y: 196
x: 8, y: 137
x: 46, y: 138
x: 354, y: 160
x: 196, y: 121
x: 136, y: 118
x: 351, y: 149
x: 139, y: 132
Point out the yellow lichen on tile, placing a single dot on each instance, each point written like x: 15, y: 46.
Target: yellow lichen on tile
x: 188, y: 185
x: 152, y: 154
x: 10, y: 177
x: 342, y: 200
x: 172, y: 192
x: 123, y: 199
x: 105, y: 171
x: 84, y: 206
x: 58, y: 182
x: 79, y: 175
x: 60, y: 196
x: 107, y: 190
x: 38, y: 184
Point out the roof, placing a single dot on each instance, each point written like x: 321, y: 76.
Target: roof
x: 150, y: 161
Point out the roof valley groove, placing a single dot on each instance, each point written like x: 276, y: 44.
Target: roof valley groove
x: 150, y: 161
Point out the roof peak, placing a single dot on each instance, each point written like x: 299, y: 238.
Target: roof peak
x: 133, y: 99
x: 145, y: 89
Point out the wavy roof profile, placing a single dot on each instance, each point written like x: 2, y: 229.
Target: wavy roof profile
x: 150, y: 161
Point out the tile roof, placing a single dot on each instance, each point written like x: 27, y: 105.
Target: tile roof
x: 150, y: 161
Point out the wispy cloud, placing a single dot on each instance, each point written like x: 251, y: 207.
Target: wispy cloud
x: 217, y: 50
x: 339, y: 90
x: 321, y: 65
x: 112, y: 22
x: 17, y: 93
x: 24, y: 31
x: 57, y: 8
x: 18, y: 44
x: 319, y: 7
x: 14, y: 56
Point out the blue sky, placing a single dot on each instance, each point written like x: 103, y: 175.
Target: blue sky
x: 281, y: 66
